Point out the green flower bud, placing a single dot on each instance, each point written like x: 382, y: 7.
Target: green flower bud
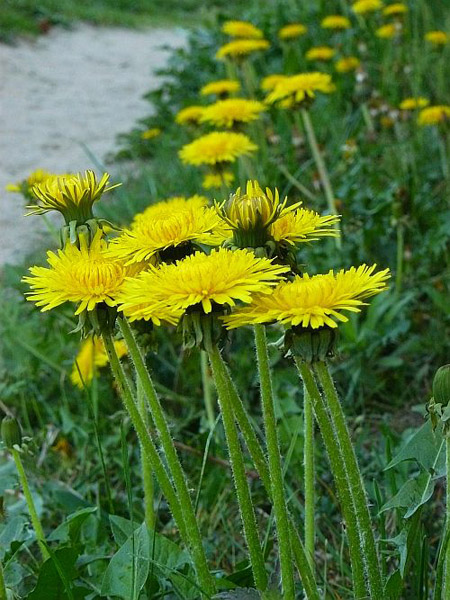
x: 441, y: 385
x: 311, y: 345
x: 11, y: 433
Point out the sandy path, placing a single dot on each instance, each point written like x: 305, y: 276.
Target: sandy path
x: 66, y: 90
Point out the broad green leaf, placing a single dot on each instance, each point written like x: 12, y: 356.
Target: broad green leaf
x: 13, y: 531
x: 422, y: 446
x: 50, y: 586
x: 413, y: 494
x: 121, y: 528
x: 69, y: 531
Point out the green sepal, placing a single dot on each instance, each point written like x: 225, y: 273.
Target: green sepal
x: 311, y: 345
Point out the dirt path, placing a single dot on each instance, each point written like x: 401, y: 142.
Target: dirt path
x: 63, y: 96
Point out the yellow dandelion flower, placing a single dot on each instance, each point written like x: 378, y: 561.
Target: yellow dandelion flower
x: 86, y: 276
x: 362, y: 7
x: 303, y: 225
x: 217, y: 147
x: 149, y: 134
x: 269, y: 82
x: 217, y: 180
x: 439, y: 38
x: 153, y: 234
x: 433, y: 115
x: 220, y: 278
x: 241, y: 48
x: 166, y: 208
x: 299, y: 87
x: 241, y: 29
x: 398, y: 8
x: 34, y: 178
x: 414, y: 103
x: 71, y: 195
x: 320, y: 53
x: 387, y: 31
x: 315, y: 301
x: 220, y: 87
x: 190, y: 114
x: 347, y: 64
x: 292, y: 31
x: 226, y: 113
x: 92, y: 356
x: 335, y: 22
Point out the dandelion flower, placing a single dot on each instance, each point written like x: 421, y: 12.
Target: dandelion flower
x: 220, y: 87
x: 226, y: 113
x: 221, y: 278
x: 300, y: 87
x: 269, y: 82
x: 398, y: 8
x: 190, y: 114
x: 362, y: 7
x: 387, y: 31
x: 217, y: 180
x: 86, y: 276
x: 34, y: 178
x: 241, y: 29
x: 166, y: 208
x: 217, y: 147
x: 335, y: 22
x: 439, y: 38
x: 320, y: 53
x: 414, y: 103
x: 92, y: 356
x: 241, y: 48
x: 149, y: 134
x: 433, y: 115
x: 347, y: 64
x: 292, y: 31
x: 315, y: 301
x: 303, y: 225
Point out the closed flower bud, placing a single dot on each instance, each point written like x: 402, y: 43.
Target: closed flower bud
x: 11, y: 433
x: 441, y: 385
x: 311, y: 345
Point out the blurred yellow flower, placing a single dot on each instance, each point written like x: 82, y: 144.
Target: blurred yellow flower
x: 291, y: 31
x: 439, y: 38
x: 320, y: 53
x: 241, y: 48
x: 217, y: 180
x: 347, y: 64
x: 34, y: 178
x: 190, y: 114
x: 414, y: 103
x: 303, y: 225
x: 315, y: 301
x: 241, y: 29
x: 364, y: 6
x: 335, y: 22
x: 269, y: 82
x: 226, y: 113
x: 217, y: 147
x: 387, y: 31
x: 433, y: 115
x: 149, y: 134
x: 220, y: 87
x: 397, y: 8
x: 92, y: 356
x: 299, y: 87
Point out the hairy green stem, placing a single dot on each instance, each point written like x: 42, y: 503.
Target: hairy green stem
x: 340, y: 478
x: 147, y: 471
x: 356, y: 484
x: 308, y: 458
x: 238, y: 467
x: 207, y: 390
x: 196, y: 544
x: 447, y: 520
x: 275, y: 466
x: 3, y: 593
x: 35, y: 521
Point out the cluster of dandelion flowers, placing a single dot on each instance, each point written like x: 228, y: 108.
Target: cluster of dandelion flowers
x: 219, y: 279
x: 292, y: 31
x: 221, y: 87
x: 189, y: 115
x: 302, y: 225
x: 71, y: 195
x: 438, y: 38
x: 150, y: 134
x: 241, y: 48
x: 346, y: 64
x: 320, y: 53
x: 241, y: 29
x: 395, y: 9
x: 217, y: 147
x: 91, y: 357
x: 335, y: 22
x: 314, y: 302
x: 434, y: 115
x: 414, y: 103
x: 361, y: 7
x: 299, y: 87
x: 217, y: 180
x: 86, y: 276
x: 154, y: 233
x: 227, y: 113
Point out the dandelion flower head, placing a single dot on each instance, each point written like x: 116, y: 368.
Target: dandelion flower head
x: 226, y: 113
x: 439, y: 38
x: 241, y: 29
x: 217, y: 147
x: 433, y: 115
x: 292, y: 31
x: 414, y: 103
x: 190, y: 114
x: 220, y: 87
x: 320, y: 53
x: 241, y: 48
x: 335, y: 22
x: 217, y: 180
x: 397, y: 8
x: 362, y: 7
x: 303, y: 225
x: 149, y: 134
x: 300, y: 87
x: 347, y: 64
x: 92, y: 356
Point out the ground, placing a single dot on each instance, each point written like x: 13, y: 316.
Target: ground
x: 64, y: 98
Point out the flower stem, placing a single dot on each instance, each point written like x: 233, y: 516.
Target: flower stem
x: 238, y: 468
x: 447, y: 520
x: 35, y: 521
x: 356, y: 484
x: 275, y: 466
x: 3, y: 593
x: 147, y: 471
x: 308, y: 454
x: 320, y: 164
x: 340, y: 478
x: 196, y: 544
x: 207, y: 390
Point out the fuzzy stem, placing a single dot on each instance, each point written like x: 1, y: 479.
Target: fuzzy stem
x: 320, y: 164
x: 340, y: 478
x: 447, y: 520
x: 275, y: 466
x: 238, y: 468
x: 147, y: 471
x: 3, y: 593
x: 356, y: 484
x: 308, y: 454
x: 35, y: 521
x: 207, y: 390
x: 176, y: 470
